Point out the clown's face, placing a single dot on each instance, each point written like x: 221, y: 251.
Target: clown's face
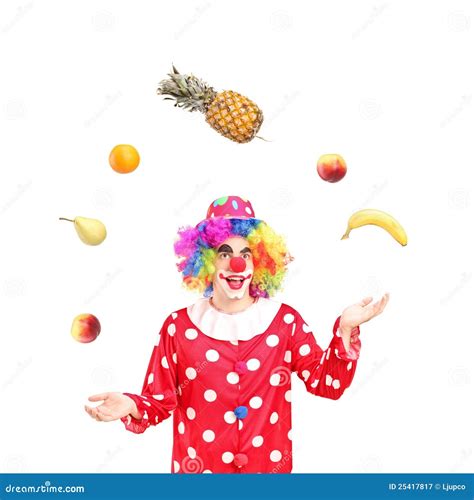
x: 234, y: 268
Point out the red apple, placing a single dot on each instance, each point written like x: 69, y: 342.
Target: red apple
x: 331, y: 167
x: 85, y: 328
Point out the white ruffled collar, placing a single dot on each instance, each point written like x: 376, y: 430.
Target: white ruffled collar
x: 243, y: 325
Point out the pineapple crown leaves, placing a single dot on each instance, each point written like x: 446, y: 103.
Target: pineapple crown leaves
x: 189, y: 92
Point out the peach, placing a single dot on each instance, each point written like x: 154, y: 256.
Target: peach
x: 331, y: 167
x: 85, y: 328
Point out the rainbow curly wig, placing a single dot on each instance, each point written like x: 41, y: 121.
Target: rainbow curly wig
x: 197, y: 249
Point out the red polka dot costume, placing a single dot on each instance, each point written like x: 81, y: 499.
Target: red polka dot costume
x: 230, y: 398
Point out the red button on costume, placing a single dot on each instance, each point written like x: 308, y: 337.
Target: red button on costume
x: 201, y: 380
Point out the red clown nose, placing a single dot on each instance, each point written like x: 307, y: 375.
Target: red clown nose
x: 237, y: 264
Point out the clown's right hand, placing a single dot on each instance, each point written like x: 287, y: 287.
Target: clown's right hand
x: 115, y: 406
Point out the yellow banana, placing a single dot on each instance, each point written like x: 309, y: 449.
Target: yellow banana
x: 378, y: 218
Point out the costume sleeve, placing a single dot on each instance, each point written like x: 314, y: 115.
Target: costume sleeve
x: 158, y: 398
x: 325, y: 373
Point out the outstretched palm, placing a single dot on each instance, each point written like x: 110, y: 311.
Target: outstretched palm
x: 361, y: 312
x: 115, y: 406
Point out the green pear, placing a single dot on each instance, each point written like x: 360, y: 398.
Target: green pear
x: 90, y: 231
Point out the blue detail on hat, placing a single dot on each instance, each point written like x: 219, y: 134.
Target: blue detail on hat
x: 241, y: 412
x: 235, y: 204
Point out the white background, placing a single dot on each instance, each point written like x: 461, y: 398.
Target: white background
x: 386, y: 84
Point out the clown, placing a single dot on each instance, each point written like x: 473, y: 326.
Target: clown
x: 222, y: 366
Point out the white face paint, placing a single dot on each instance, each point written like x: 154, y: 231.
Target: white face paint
x: 236, y: 288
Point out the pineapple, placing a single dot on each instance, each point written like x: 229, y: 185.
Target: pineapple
x: 229, y: 113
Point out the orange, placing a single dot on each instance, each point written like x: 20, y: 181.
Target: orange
x: 124, y: 158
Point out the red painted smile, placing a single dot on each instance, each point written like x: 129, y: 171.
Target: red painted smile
x: 234, y: 281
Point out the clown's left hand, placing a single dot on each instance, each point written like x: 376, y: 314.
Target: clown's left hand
x: 359, y: 313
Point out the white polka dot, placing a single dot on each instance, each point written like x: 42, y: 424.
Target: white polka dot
x: 227, y: 457
x: 274, y: 418
x: 275, y: 379
x: 289, y: 434
x: 304, y: 349
x: 146, y: 403
x: 171, y: 329
x: 191, y: 333
x: 321, y: 361
x: 349, y: 365
x: 255, y: 402
x: 272, y: 340
x: 336, y: 383
x: 212, y: 355
x: 336, y: 352
x: 145, y: 415
x: 159, y: 397
x: 288, y: 395
x: 191, y: 452
x: 233, y: 378
x: 275, y: 456
x: 150, y: 378
x: 253, y: 364
x: 288, y: 356
x: 191, y: 373
x: 181, y: 427
x: 180, y: 392
x: 210, y: 395
x: 164, y: 362
x: 176, y: 465
x: 156, y: 419
x: 174, y: 315
x: 191, y: 413
x: 257, y: 441
x: 328, y: 379
x: 338, y: 333
x: 306, y: 374
x: 306, y: 328
x: 175, y: 358
x: 241, y: 424
x: 208, y: 436
x: 229, y: 417
x: 315, y: 383
x: 234, y: 342
x: 207, y: 471
x: 288, y: 318
x: 328, y: 352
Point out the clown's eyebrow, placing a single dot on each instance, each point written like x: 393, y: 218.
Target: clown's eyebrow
x: 225, y: 248
x: 228, y: 249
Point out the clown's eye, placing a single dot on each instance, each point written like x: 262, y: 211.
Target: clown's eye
x: 247, y: 256
x: 223, y: 255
